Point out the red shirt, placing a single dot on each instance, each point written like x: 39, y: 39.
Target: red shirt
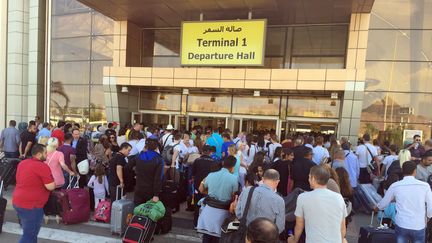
x: 30, y: 191
x: 59, y: 134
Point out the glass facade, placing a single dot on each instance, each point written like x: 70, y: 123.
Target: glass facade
x: 286, y: 47
x: 399, y: 70
x: 81, y: 45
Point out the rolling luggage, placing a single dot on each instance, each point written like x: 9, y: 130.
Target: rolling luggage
x: 140, y: 230
x: 120, y: 210
x: 103, y: 212
x: 169, y: 194
x: 164, y: 225
x: 3, y: 203
x: 368, y: 196
x: 8, y: 169
x: 371, y: 234
x: 75, y: 204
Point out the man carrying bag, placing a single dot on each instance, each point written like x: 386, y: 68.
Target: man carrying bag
x: 233, y: 230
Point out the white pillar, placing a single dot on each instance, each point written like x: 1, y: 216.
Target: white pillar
x: 3, y: 56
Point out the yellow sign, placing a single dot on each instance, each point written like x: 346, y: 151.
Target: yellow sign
x: 219, y: 43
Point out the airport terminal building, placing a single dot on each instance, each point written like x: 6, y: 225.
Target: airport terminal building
x: 334, y: 66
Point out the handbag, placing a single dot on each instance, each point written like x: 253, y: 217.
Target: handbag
x: 214, y: 203
x: 234, y: 230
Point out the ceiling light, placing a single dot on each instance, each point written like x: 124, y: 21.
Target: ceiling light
x: 124, y: 89
x: 162, y: 96
x: 257, y: 93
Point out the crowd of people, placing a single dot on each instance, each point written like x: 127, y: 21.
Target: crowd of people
x: 214, y: 171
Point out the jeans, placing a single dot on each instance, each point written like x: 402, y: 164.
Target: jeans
x: 31, y: 222
x: 11, y: 155
x: 407, y: 235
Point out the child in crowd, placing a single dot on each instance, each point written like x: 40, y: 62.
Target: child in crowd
x: 99, y: 183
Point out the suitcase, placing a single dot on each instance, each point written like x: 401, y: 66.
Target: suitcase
x: 8, y: 169
x: 371, y: 234
x: 164, y: 225
x: 75, y: 205
x: 3, y: 203
x: 121, y: 209
x: 140, y: 230
x: 103, y: 212
x: 169, y: 195
x: 368, y: 196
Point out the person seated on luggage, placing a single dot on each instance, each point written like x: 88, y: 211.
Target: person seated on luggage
x: 262, y: 230
x: 220, y: 187
x: 301, y: 168
x: 424, y: 168
x: 116, y: 169
x: 323, y: 224
x: 413, y: 200
x: 389, y: 213
x: 265, y: 202
x: 34, y: 182
x: 149, y: 173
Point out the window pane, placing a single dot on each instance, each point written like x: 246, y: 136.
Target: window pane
x: 68, y: 6
x: 320, y: 40
x: 167, y: 42
x: 256, y: 105
x: 102, y: 25
x: 153, y: 100
x: 313, y: 107
x: 166, y: 62
x: 273, y: 62
x: 397, y: 14
x: 398, y: 76
x: 400, y: 108
x: 102, y: 47
x: 71, y: 49
x: 400, y: 45
x: 97, y: 115
x: 97, y: 71
x: 318, y: 62
x: 275, y: 41
x: 70, y: 72
x: 72, y: 25
x: 69, y: 102
x: 209, y: 103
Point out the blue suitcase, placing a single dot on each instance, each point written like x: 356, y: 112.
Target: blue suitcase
x: 380, y: 234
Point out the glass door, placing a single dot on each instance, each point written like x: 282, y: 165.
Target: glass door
x: 136, y: 117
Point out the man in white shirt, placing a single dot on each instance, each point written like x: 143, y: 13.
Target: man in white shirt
x: 413, y: 202
x: 367, y: 154
x: 319, y: 152
x: 321, y: 212
x: 167, y: 138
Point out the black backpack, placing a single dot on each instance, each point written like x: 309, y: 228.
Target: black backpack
x: 395, y: 168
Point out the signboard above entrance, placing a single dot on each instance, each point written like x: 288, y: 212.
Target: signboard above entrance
x: 223, y: 43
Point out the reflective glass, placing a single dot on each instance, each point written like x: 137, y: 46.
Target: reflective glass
x: 392, y: 44
x: 273, y: 62
x: 72, y: 25
x: 167, y: 42
x: 398, y: 76
x: 402, y: 14
x: 70, y: 49
x: 256, y: 105
x: 97, y: 71
x: 69, y: 96
x: 401, y: 107
x: 275, y: 41
x: 154, y: 100
x: 155, y: 120
x: 209, y: 103
x: 313, y: 107
x: 97, y: 98
x: 162, y: 61
x: 318, y: 62
x: 68, y: 6
x: 70, y: 72
x: 320, y: 40
x: 102, y: 47
x: 102, y: 25
x: 97, y: 115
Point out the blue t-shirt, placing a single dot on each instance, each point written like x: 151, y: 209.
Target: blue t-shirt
x: 217, y: 141
x: 225, y: 146
x: 221, y: 185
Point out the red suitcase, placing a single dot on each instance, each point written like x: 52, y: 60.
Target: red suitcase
x: 75, y: 204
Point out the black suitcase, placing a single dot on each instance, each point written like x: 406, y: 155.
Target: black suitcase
x: 164, y: 225
x: 169, y: 195
x: 8, y: 169
x: 3, y: 203
x: 371, y: 234
x: 139, y: 230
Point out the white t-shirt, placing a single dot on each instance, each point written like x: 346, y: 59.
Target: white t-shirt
x: 364, y: 155
x: 272, y: 149
x: 388, y: 161
x: 177, y: 148
x: 165, y: 137
x: 319, y: 152
x: 323, y: 212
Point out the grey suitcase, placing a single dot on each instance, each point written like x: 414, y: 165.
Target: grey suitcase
x: 120, y: 210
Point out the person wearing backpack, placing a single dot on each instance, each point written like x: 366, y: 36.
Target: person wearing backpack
x: 390, y: 163
x: 168, y: 136
x: 149, y: 173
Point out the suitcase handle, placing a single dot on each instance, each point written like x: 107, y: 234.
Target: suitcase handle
x: 76, y: 183
x: 372, y: 218
x: 117, y: 193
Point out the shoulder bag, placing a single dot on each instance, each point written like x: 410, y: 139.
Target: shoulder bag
x: 234, y: 230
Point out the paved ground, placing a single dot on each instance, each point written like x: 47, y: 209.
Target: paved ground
x: 92, y: 232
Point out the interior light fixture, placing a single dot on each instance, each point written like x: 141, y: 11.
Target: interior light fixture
x: 212, y: 99
x: 333, y: 103
x: 124, y: 89
x: 257, y: 93
x: 270, y: 101
x: 162, y: 96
